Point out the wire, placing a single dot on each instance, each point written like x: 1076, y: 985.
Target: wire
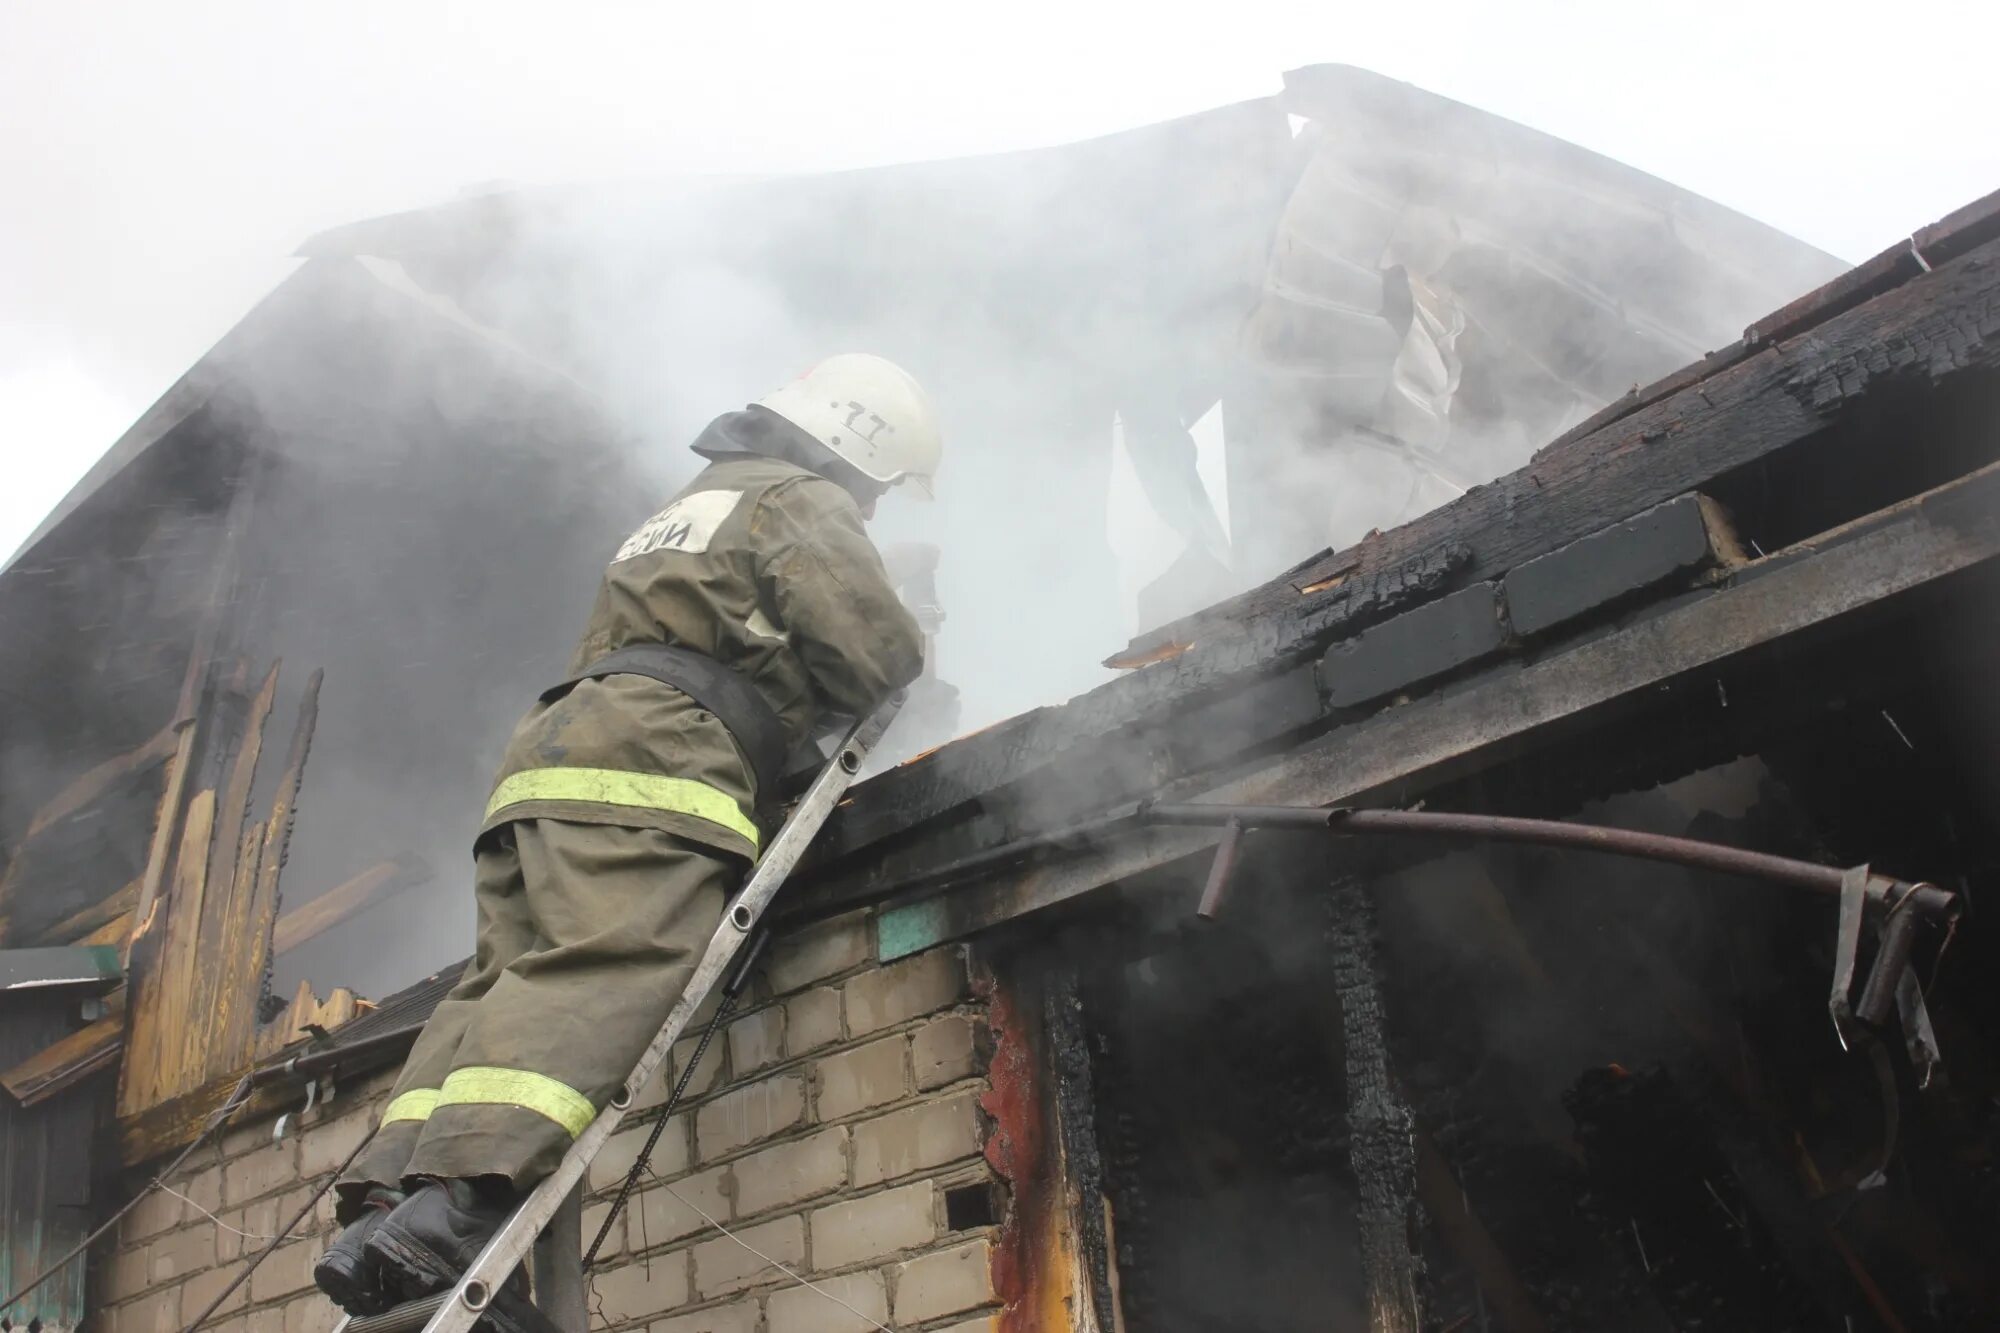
x: 249, y: 1235
x: 803, y: 1282
x: 284, y: 1234
x: 215, y: 1122
x: 642, y: 1164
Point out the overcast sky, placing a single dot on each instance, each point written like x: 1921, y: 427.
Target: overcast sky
x: 162, y: 160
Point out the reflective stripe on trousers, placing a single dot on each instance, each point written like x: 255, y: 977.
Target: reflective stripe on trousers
x: 614, y: 786
x: 490, y: 1085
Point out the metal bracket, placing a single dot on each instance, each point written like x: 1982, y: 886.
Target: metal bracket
x: 313, y: 1099
x: 1919, y: 1037
x: 1846, y: 951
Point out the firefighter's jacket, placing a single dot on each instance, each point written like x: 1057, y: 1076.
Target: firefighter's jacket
x: 763, y: 566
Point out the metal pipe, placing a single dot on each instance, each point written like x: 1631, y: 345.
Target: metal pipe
x: 1220, y: 870
x: 308, y: 1064
x: 557, y: 1265
x: 1892, y: 960
x: 1929, y: 900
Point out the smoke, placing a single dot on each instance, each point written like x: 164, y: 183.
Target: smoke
x: 458, y: 415
x: 1041, y: 299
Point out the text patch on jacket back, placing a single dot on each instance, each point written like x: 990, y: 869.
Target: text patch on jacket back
x: 688, y: 524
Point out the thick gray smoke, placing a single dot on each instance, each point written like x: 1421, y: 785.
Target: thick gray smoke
x: 459, y: 414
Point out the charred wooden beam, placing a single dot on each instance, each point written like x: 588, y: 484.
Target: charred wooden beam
x: 1813, y: 589
x: 161, y: 978
x: 231, y: 973
x: 1382, y: 1132
x: 256, y: 927
x: 1008, y: 764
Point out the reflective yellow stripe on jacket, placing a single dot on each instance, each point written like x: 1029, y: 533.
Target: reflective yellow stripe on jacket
x: 490, y: 1085
x: 416, y: 1104
x: 612, y: 786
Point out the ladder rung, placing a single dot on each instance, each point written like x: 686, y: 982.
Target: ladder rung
x: 408, y: 1315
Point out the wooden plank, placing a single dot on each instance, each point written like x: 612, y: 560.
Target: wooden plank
x: 258, y: 925
x: 1937, y: 328
x: 159, y: 1006
x: 233, y: 979
x: 74, y: 1058
x: 92, y: 784
x: 347, y: 899
x: 91, y: 921
x: 1403, y: 752
x: 77, y: 796
x: 116, y: 931
x: 306, y: 1012
x: 187, y: 711
x: 78, y: 1056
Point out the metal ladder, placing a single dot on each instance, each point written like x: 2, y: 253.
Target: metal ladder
x: 552, y: 1213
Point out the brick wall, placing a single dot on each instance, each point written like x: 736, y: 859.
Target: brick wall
x: 174, y: 1252
x: 826, y: 1126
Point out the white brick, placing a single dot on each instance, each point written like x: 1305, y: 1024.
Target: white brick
x: 757, y: 1040
x: 203, y: 1190
x: 802, y: 957
x: 880, y: 1225
x: 803, y: 1310
x: 871, y: 1075
x: 157, y: 1313
x: 660, y: 1216
x: 325, y: 1146
x: 943, y: 1283
x: 288, y: 1270
x: 747, y: 1114
x: 942, y: 1051
x: 904, y: 990
x: 670, y: 1154
x: 812, y: 1020
x: 790, y: 1172
x: 916, y: 1138
x: 179, y: 1253
x: 722, y: 1265
x: 614, y: 1241
x: 706, y: 1077
x: 275, y: 1166
x: 640, y: 1290
x: 124, y: 1274
x: 311, y: 1314
x: 736, y: 1317
x: 198, y: 1291
x: 150, y: 1216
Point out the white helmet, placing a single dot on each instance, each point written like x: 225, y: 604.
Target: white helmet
x: 869, y: 411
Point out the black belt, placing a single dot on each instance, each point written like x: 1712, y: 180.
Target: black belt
x: 738, y: 704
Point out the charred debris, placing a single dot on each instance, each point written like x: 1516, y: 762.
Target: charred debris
x: 1247, y: 1076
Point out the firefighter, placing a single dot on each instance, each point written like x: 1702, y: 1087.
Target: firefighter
x: 625, y: 808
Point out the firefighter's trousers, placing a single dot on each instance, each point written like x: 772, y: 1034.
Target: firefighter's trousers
x: 588, y: 933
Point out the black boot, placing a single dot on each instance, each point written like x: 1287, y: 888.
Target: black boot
x: 346, y: 1273
x: 433, y: 1236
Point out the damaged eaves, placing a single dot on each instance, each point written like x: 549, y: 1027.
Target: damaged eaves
x: 1745, y: 437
